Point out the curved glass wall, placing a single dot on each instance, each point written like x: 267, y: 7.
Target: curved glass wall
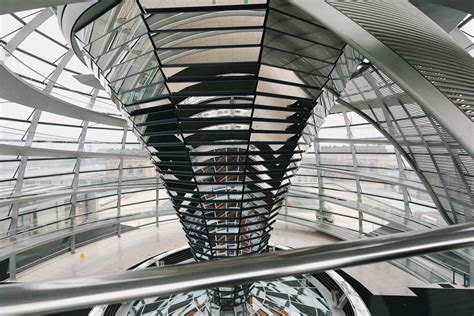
x: 59, y: 172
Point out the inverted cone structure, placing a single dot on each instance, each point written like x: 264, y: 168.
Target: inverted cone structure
x: 226, y: 97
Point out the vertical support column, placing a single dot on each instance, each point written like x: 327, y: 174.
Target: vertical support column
x: 406, y: 199
x: 57, y: 214
x: 12, y: 267
x: 28, y: 28
x: 11, y: 46
x: 470, y: 252
x: 158, y: 200
x: 317, y: 158
x: 77, y: 169
x: 119, y: 188
x: 119, y: 205
x: 30, y: 133
x: 355, y: 163
x: 401, y: 167
x: 75, y: 182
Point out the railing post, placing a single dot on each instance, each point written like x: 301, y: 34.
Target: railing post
x: 119, y: 189
x: 12, y: 267
x: 317, y: 160
x: 72, y: 242
x: 77, y: 172
x: 158, y: 201
x: 471, y: 272
x: 355, y: 164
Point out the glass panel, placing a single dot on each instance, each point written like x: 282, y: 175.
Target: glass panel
x: 220, y: 55
x: 149, y: 4
x: 192, y: 20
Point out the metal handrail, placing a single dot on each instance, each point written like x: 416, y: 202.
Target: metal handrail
x: 54, y: 296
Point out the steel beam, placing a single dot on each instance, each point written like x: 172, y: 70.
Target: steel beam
x: 11, y: 46
x: 157, y: 199
x: 15, y: 150
x: 77, y: 169
x: 317, y: 160
x: 14, y: 89
x: 120, y: 178
x: 59, y: 192
x: 460, y: 5
x: 368, y: 175
x: 355, y: 164
x: 27, y: 29
x: 10, y: 6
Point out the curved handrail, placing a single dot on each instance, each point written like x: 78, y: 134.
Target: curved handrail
x: 52, y: 296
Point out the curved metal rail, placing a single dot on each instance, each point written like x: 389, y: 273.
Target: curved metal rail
x: 52, y: 296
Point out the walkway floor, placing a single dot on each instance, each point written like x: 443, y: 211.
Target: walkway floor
x: 110, y: 254
x: 115, y: 254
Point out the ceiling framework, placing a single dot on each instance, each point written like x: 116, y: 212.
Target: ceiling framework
x: 446, y: 170
x: 226, y: 99
x: 417, y: 54
x: 423, y: 45
x: 422, y: 90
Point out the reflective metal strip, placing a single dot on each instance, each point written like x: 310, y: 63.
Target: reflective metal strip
x: 55, y: 296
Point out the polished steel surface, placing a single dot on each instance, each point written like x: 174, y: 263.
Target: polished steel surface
x: 125, y: 286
